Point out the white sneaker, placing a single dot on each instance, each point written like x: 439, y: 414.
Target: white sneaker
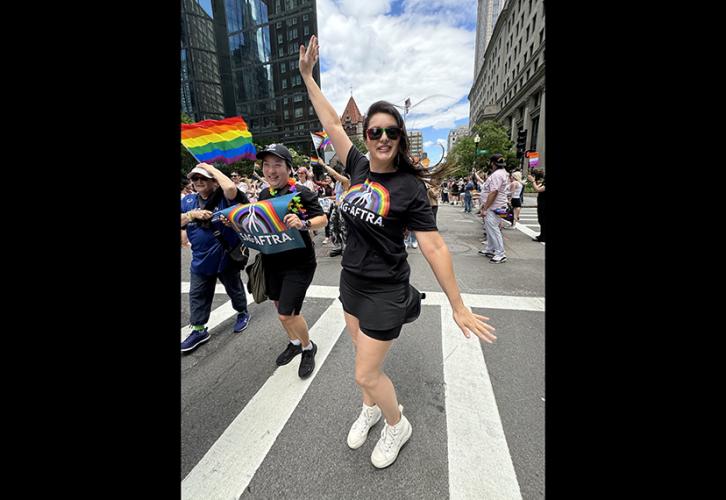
x: 393, y: 437
x: 358, y: 433
x: 414, y: 244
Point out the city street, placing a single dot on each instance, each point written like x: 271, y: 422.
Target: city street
x: 252, y: 430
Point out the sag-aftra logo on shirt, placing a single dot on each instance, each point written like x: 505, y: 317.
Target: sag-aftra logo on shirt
x: 368, y: 202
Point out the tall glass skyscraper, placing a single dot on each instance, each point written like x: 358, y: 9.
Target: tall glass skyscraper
x: 201, y: 88
x: 257, y: 47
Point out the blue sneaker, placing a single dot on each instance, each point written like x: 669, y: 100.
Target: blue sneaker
x: 194, y: 339
x: 243, y: 320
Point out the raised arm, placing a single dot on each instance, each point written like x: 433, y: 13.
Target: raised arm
x: 325, y: 111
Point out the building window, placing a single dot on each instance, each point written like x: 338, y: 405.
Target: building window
x: 285, y: 101
x: 286, y: 114
x: 284, y: 83
x: 278, y: 24
x: 279, y: 38
x: 311, y: 111
x: 282, y: 67
x: 541, y: 35
x: 306, y: 17
x: 294, y: 21
x: 533, y: 137
x: 298, y: 112
x: 534, y: 23
x: 536, y: 61
x: 306, y: 30
x: 281, y: 52
x: 297, y: 98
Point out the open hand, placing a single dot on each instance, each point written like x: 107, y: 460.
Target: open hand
x: 309, y: 56
x: 470, y: 322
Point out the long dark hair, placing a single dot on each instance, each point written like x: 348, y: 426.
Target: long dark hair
x: 403, y: 160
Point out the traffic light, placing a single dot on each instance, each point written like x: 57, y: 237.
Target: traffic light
x: 521, y: 142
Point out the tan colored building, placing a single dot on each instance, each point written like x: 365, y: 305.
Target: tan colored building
x: 415, y: 138
x: 509, y: 86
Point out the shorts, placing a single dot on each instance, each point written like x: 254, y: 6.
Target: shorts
x: 381, y: 308
x: 288, y: 287
x: 516, y: 203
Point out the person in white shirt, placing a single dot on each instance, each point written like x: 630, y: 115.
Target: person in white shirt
x: 494, y: 196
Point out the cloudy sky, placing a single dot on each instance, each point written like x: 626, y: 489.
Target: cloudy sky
x: 398, y: 49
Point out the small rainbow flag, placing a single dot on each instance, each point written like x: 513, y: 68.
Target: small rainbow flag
x: 314, y: 160
x: 320, y: 139
x: 226, y: 140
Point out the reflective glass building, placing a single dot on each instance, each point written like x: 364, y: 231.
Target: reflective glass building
x: 201, y: 87
x: 257, y: 47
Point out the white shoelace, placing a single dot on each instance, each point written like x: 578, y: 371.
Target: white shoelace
x: 365, y: 418
x: 388, y: 434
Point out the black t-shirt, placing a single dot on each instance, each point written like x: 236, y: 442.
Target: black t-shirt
x: 299, y: 257
x: 377, y: 208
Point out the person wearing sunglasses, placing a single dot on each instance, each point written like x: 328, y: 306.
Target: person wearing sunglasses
x: 214, y: 191
x: 387, y: 195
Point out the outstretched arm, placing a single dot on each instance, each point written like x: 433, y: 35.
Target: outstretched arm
x: 437, y: 254
x: 325, y: 111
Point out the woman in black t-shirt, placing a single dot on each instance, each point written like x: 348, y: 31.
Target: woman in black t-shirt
x: 289, y: 274
x: 386, y: 195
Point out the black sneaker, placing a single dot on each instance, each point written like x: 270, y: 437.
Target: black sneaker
x: 290, y: 352
x: 307, y: 363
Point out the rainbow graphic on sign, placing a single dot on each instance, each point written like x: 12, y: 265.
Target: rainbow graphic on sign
x: 260, y: 225
x: 371, y: 196
x: 259, y: 217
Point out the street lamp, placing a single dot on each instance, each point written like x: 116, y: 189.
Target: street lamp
x: 476, y: 149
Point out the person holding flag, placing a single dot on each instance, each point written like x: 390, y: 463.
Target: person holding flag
x: 288, y: 274
x: 214, y: 191
x: 387, y: 194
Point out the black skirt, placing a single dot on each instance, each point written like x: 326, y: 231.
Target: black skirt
x: 381, y: 308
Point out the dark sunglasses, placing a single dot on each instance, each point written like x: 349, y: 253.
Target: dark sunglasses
x: 200, y: 178
x: 375, y: 133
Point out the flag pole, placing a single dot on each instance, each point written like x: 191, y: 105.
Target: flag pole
x: 185, y: 147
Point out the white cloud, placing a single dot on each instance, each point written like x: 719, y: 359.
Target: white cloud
x: 417, y: 55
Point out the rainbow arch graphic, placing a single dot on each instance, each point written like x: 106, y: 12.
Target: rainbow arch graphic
x: 256, y: 218
x: 371, y: 196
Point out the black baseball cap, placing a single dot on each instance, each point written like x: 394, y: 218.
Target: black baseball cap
x: 498, y: 160
x: 278, y: 150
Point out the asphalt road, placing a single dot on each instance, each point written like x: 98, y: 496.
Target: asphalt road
x: 251, y: 430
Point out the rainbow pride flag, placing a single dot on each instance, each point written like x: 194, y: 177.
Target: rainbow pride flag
x: 226, y: 140
x: 314, y: 160
x: 320, y: 139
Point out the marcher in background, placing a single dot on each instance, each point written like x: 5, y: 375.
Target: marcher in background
x: 387, y: 194
x: 538, y: 181
x: 494, y: 196
x: 214, y: 192
x: 517, y: 190
x: 468, y: 188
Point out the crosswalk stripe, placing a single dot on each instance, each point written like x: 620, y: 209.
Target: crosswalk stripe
x: 229, y: 465
x: 480, y: 465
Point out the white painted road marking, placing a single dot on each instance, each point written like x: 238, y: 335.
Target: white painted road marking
x: 480, y: 465
x: 228, y: 467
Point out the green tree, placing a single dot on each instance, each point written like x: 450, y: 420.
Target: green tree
x: 494, y: 138
x: 360, y: 145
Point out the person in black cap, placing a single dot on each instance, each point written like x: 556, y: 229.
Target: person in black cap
x: 289, y: 274
x: 494, y: 196
x: 387, y: 195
